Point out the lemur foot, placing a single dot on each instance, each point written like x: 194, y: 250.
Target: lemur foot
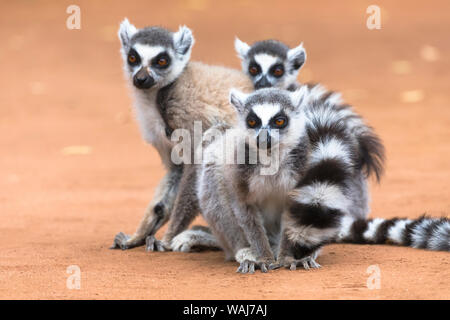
x: 182, y: 242
x: 194, y: 240
x: 248, y: 262
x: 124, y: 242
x: 153, y: 244
x: 307, y: 263
x: 249, y: 266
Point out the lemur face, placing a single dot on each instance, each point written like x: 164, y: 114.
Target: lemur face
x: 153, y: 56
x: 270, y: 63
x: 269, y: 116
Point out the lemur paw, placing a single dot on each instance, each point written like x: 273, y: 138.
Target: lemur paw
x: 120, y: 241
x: 193, y: 240
x: 184, y: 242
x: 307, y: 263
x: 153, y: 244
x: 124, y: 241
x: 249, y: 262
x: 249, y: 266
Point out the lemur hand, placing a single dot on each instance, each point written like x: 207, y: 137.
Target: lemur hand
x: 153, y: 244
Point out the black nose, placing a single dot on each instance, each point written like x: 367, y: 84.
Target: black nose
x: 143, y: 80
x: 263, y: 140
x: 262, y: 83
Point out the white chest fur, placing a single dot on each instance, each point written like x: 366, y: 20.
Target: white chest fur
x: 268, y: 188
x: 152, y: 126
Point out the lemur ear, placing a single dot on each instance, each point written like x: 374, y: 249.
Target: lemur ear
x: 126, y: 31
x: 183, y: 40
x: 241, y: 48
x: 237, y: 99
x: 297, y: 57
x: 298, y: 97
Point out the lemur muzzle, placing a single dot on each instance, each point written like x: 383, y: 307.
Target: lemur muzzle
x: 263, y: 83
x: 263, y: 139
x: 143, y: 80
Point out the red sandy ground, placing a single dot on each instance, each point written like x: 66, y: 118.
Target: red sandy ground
x: 62, y: 88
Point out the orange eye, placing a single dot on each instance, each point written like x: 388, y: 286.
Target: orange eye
x: 280, y: 122
x: 253, y: 70
x: 162, y: 62
x: 251, y: 123
x: 278, y: 72
x: 132, y: 58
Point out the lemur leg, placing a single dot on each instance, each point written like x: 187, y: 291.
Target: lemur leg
x: 185, y: 209
x: 274, y: 241
x: 226, y: 230
x: 253, y: 227
x: 216, y: 206
x: 272, y: 225
x: 249, y: 225
x: 156, y: 214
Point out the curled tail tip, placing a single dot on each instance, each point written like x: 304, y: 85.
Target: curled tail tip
x: 373, y: 154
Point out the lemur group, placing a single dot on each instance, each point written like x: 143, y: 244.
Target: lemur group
x: 325, y: 151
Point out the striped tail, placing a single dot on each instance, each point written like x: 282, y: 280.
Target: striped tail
x: 424, y: 233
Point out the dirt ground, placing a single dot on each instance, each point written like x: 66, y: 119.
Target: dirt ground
x: 74, y: 170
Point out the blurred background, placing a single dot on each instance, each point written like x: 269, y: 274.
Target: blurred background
x: 74, y: 170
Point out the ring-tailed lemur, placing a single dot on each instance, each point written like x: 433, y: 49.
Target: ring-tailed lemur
x: 321, y: 184
x: 171, y: 93
x: 280, y: 53
x: 270, y: 63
